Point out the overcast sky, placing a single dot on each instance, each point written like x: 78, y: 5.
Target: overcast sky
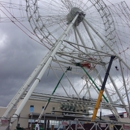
x: 19, y: 55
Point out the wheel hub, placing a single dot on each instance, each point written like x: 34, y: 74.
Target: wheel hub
x: 73, y: 12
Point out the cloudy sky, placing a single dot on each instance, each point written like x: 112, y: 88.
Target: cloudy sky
x: 19, y: 55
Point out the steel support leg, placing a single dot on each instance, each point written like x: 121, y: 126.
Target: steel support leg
x: 38, y: 78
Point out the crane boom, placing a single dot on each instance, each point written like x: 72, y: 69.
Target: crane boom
x: 102, y: 89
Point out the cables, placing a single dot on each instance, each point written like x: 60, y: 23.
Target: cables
x: 22, y: 25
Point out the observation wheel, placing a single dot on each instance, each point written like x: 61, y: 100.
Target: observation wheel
x: 81, y: 36
x: 90, y: 42
x: 48, y: 19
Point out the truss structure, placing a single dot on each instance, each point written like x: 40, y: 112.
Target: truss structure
x: 82, y: 35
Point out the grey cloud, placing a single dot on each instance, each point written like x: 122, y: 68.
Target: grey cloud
x: 18, y: 59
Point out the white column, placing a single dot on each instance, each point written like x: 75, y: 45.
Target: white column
x: 82, y: 41
x: 38, y: 78
x: 126, y: 91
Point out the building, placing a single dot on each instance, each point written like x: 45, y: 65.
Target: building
x: 60, y: 113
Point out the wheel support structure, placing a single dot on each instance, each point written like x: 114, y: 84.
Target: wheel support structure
x: 41, y: 73
x: 116, y: 56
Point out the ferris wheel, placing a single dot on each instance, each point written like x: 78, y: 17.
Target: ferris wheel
x: 81, y: 36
